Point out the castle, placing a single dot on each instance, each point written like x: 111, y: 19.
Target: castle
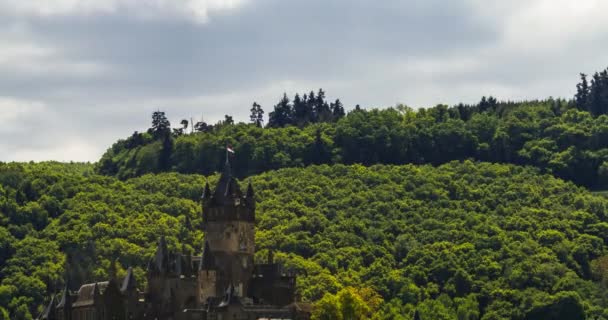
x: 224, y: 283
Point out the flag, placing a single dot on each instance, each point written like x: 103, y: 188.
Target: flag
x: 229, y: 149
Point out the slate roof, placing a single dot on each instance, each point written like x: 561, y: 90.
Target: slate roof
x: 87, y: 293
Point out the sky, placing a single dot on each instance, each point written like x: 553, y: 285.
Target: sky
x: 76, y: 75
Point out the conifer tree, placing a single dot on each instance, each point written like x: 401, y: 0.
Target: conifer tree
x: 337, y: 110
x: 257, y: 115
x: 282, y: 114
x: 582, y: 93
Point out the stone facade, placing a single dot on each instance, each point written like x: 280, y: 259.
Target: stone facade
x: 223, y: 283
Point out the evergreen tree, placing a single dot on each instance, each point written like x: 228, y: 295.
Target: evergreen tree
x: 257, y: 115
x: 302, y: 112
x: 310, y: 105
x: 337, y: 110
x: 160, y: 125
x: 282, y: 114
x: 595, y: 95
x: 582, y: 93
x: 321, y: 107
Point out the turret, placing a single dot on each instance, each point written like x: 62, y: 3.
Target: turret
x: 64, y: 307
x: 128, y: 284
x: 206, y: 192
x: 207, y: 275
x: 49, y: 313
x: 207, y: 260
x: 228, y: 223
x: 160, y: 262
x: 250, y: 195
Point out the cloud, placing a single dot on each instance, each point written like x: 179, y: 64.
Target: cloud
x: 98, y: 68
x: 196, y: 10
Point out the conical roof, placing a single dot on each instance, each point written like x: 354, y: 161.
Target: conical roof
x: 66, y: 299
x: 207, y: 260
x: 49, y: 312
x: 161, y: 258
x: 227, y: 186
x: 129, y: 282
x: 250, y: 192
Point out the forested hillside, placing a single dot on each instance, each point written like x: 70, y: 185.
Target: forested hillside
x: 464, y: 240
x: 552, y: 135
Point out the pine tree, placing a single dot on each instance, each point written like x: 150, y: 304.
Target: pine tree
x: 595, y: 95
x: 322, y: 108
x: 337, y: 110
x: 302, y: 112
x: 582, y: 93
x: 282, y: 114
x: 310, y: 105
x: 257, y: 115
x: 160, y: 125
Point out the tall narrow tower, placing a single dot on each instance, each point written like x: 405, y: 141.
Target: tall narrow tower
x: 228, y: 223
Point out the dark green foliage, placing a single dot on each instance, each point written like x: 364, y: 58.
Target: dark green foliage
x: 593, y: 97
x: 282, y: 114
x: 161, y: 126
x: 257, y: 115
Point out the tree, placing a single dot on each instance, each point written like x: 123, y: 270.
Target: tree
x: 322, y: 111
x: 184, y: 124
x: 257, y: 115
x: 303, y: 113
x: 582, y: 93
x: 160, y: 125
x: 337, y: 110
x: 328, y: 308
x: 202, y: 126
x: 228, y: 120
x: 164, y: 156
x: 282, y: 114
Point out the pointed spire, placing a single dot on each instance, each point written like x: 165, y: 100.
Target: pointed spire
x: 179, y: 270
x: 206, y: 191
x: 161, y: 259
x: 96, y: 292
x: 128, y: 283
x: 49, y: 312
x: 66, y: 299
x: 250, y: 192
x: 207, y: 260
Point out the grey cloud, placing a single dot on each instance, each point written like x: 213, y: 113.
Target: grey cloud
x: 364, y: 52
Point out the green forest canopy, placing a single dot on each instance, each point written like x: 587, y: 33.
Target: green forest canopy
x: 464, y: 240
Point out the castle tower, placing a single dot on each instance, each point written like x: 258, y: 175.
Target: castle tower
x: 228, y: 223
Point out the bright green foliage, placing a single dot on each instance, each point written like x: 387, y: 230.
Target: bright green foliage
x: 464, y: 240
x: 349, y: 303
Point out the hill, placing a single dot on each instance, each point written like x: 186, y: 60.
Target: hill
x: 464, y: 240
x: 552, y: 135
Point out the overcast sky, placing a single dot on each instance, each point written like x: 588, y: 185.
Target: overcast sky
x: 76, y: 75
